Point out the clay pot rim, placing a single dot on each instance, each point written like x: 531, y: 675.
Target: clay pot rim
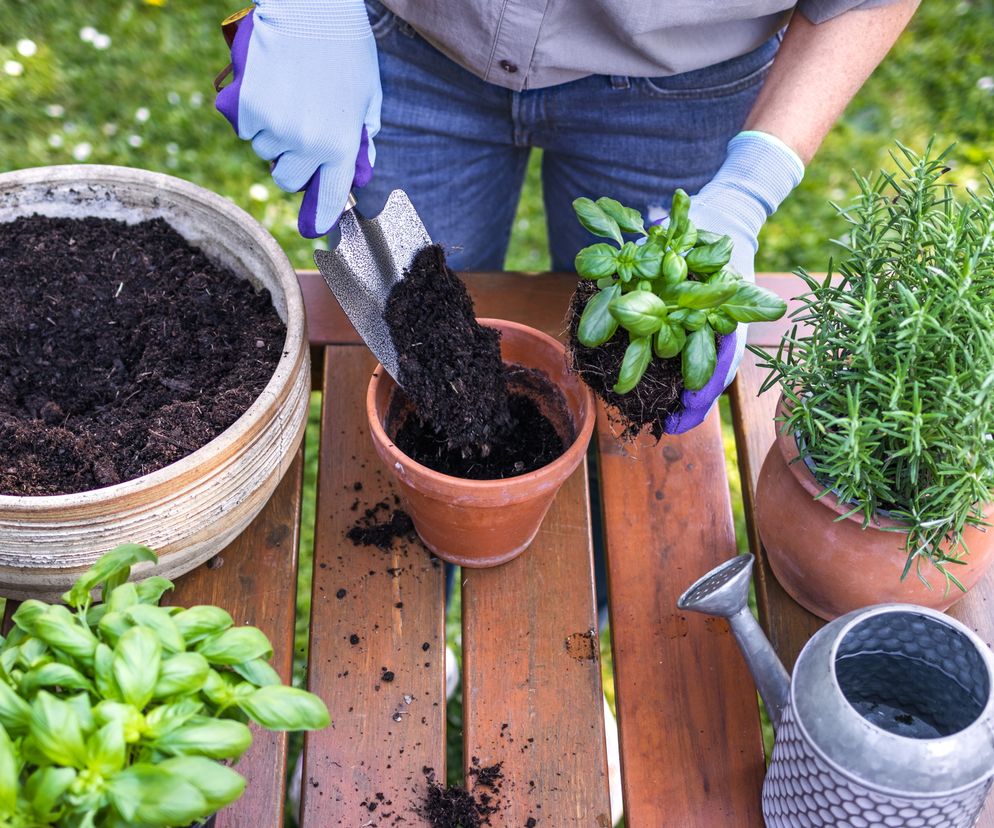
x: 787, y: 445
x: 565, y: 462
x: 247, y: 426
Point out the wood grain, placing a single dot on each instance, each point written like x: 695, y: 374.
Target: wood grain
x: 691, y: 746
x: 531, y: 666
x: 366, y: 769
x: 255, y: 579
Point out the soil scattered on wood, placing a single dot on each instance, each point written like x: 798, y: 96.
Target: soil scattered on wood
x: 450, y: 365
x: 122, y: 349
x: 455, y: 807
x: 380, y: 525
x: 644, y: 408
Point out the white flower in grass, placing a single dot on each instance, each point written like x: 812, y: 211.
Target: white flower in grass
x: 173, y: 98
x: 172, y: 148
x: 134, y: 141
x: 82, y: 151
x: 13, y: 68
x: 55, y: 141
x: 109, y: 129
x: 259, y: 192
x: 26, y: 48
x: 55, y: 110
x: 87, y: 34
x: 101, y: 41
x: 196, y: 99
x: 985, y: 84
x: 142, y: 114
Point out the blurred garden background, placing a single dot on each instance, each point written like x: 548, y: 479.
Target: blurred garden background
x: 129, y: 82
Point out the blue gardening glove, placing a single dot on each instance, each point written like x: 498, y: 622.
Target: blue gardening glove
x: 306, y: 92
x: 758, y: 174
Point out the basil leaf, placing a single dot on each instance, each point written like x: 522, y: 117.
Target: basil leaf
x: 136, y: 665
x: 669, y: 340
x: 633, y: 364
x: 131, y: 719
x: 285, y: 708
x: 45, y: 787
x: 751, y: 303
x: 114, y: 566
x: 235, y: 646
x: 125, y: 596
x: 113, y: 625
x: 147, y: 793
x: 689, y: 318
x: 167, y: 717
x: 596, y: 220
x: 628, y: 219
x: 9, y: 773
x: 152, y: 589
x: 596, y: 261
x: 639, y: 312
x: 219, y: 784
x: 597, y: 325
x: 679, y: 208
x: 54, y: 675
x: 106, y: 750
x: 215, y: 738
x: 648, y: 261
x: 61, y: 630
x: 103, y: 673
x: 702, y: 295
x: 674, y: 268
x: 27, y: 613
x: 257, y: 672
x: 15, y: 713
x: 699, y: 358
x: 199, y: 622
x: 32, y: 653
x: 721, y: 322
x: 158, y: 620
x: 687, y: 239
x: 710, y: 258
x: 606, y: 282
x: 182, y: 673
x: 56, y: 732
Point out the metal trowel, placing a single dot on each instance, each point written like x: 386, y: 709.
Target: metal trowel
x: 370, y: 259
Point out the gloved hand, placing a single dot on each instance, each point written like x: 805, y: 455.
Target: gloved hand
x: 306, y: 92
x: 758, y: 174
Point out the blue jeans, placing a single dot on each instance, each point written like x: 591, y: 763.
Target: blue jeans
x: 459, y: 146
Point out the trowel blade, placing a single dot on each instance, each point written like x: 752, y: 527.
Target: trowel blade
x: 369, y: 260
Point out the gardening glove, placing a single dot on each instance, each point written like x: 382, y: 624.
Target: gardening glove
x: 306, y: 92
x: 758, y: 174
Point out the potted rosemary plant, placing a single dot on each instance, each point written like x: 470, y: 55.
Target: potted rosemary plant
x: 878, y: 486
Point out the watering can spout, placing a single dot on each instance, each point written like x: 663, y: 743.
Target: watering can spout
x: 724, y: 592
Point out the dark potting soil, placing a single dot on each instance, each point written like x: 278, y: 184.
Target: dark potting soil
x: 645, y: 407
x: 455, y: 807
x: 122, y: 349
x: 450, y: 365
x: 534, y: 438
x: 380, y: 525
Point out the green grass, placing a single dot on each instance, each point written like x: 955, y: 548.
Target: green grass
x: 146, y: 101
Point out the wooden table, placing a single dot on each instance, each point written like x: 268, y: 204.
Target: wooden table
x: 691, y: 743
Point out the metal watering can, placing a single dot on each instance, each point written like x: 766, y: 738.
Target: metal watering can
x: 888, y: 719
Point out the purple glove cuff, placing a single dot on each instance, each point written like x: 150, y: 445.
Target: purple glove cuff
x: 307, y: 218
x: 697, y: 404
x: 227, y: 98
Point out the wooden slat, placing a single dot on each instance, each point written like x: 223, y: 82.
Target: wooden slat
x: 539, y: 300
x: 691, y: 746
x: 532, y: 693
x: 255, y: 579
x: 383, y: 732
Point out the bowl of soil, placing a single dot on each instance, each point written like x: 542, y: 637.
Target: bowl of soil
x: 489, y: 424
x: 154, y: 371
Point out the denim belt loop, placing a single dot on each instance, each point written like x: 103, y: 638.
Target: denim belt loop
x: 620, y: 82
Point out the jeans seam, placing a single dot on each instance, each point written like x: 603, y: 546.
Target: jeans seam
x: 718, y: 91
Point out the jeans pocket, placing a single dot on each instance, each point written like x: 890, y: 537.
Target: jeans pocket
x: 381, y: 19
x: 726, y: 78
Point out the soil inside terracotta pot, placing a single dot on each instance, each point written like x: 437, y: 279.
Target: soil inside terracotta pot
x: 122, y: 349
x: 462, y: 412
x: 647, y: 406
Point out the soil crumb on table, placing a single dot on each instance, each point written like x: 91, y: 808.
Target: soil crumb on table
x: 122, y: 349
x: 456, y: 807
x: 380, y: 525
x: 450, y: 365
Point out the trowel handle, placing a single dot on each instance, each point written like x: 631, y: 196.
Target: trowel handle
x: 349, y: 202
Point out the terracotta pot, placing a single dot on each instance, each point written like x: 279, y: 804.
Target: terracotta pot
x: 189, y: 510
x: 479, y: 523
x: 832, y: 566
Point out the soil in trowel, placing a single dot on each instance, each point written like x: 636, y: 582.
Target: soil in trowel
x: 467, y: 422
x: 122, y: 349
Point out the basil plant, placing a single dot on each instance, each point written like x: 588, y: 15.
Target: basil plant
x: 116, y: 714
x: 647, y: 289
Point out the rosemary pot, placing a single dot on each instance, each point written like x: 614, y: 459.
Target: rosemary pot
x: 829, y: 563
x: 886, y: 719
x: 479, y: 523
x: 191, y: 509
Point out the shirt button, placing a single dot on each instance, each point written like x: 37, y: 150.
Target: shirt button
x: 508, y: 67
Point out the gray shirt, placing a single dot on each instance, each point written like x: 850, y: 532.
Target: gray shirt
x: 528, y: 44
